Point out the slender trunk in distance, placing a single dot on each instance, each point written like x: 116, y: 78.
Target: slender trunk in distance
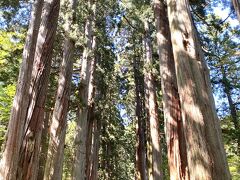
x: 54, y: 164
x: 152, y: 108
x: 141, y: 168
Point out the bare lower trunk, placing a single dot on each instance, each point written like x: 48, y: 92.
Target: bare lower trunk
x: 89, y: 143
x: 44, y: 146
x: 96, y: 143
x: 236, y: 5
x: 152, y: 108
x: 8, y: 165
x: 176, y: 145
x: 205, y: 153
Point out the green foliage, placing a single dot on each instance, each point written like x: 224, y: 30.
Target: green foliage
x: 230, y: 136
x: 11, y: 47
x: 69, y: 150
x: 6, y: 98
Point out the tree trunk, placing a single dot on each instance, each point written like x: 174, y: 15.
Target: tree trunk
x: 54, y: 165
x: 96, y: 143
x: 205, y: 153
x: 152, y: 108
x: 141, y: 173
x: 176, y: 145
x: 89, y: 143
x: 29, y: 151
x: 234, y: 117
x: 236, y: 5
x: 146, y: 103
x: 58, y: 125
x: 8, y: 165
x: 86, y: 93
x: 44, y: 145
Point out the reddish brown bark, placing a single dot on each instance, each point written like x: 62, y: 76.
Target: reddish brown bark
x: 152, y: 109
x: 29, y: 151
x: 140, y: 126
x: 8, y: 165
x: 44, y: 145
x: 205, y: 153
x: 177, y: 157
x: 236, y: 5
x: 96, y: 142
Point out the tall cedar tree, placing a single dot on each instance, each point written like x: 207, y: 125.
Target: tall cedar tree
x: 86, y: 92
x: 176, y: 144
x: 30, y: 129
x: 205, y: 153
x: 8, y: 166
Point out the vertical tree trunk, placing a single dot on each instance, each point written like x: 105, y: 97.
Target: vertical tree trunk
x: 53, y: 169
x: 54, y: 165
x: 236, y: 5
x: 140, y: 129
x: 96, y: 143
x: 205, y: 153
x: 44, y: 145
x: 146, y: 103
x: 233, y: 111
x: 86, y: 92
x: 91, y: 109
x: 176, y: 145
x: 29, y: 151
x: 8, y: 165
x: 152, y: 108
x: 90, y: 141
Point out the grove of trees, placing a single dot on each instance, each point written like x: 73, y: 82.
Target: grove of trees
x: 119, y: 89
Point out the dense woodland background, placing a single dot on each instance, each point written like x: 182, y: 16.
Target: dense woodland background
x: 113, y: 45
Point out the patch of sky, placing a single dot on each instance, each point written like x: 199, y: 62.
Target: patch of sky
x: 20, y: 18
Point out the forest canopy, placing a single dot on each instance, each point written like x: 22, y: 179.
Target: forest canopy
x: 119, y: 89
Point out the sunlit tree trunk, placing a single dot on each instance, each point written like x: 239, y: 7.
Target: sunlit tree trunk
x: 236, y: 5
x: 8, y: 165
x: 86, y: 92
x: 147, y: 120
x: 91, y: 109
x: 177, y: 157
x: 205, y: 153
x: 152, y: 107
x: 30, y: 147
x: 54, y: 165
